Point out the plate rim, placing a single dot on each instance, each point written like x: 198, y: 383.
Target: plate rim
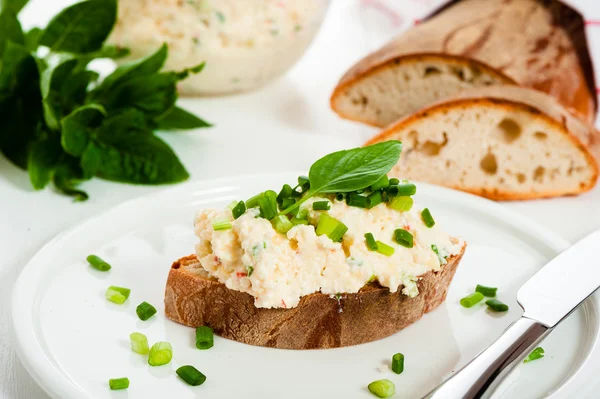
x: 57, y: 384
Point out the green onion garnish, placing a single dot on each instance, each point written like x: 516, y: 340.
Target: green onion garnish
x: 384, y: 249
x: 394, y: 181
x: 331, y: 227
x: 295, y: 221
x: 218, y: 225
x: 402, y: 204
x: 398, y: 363
x: 496, y: 305
x: 471, y: 300
x: 204, y: 337
x: 321, y: 205
x: 287, y: 202
x: 191, y: 375
x: 537, y: 353
x: 302, y: 213
x: 382, y: 388
x: 232, y: 205
x: 427, y: 218
x: 97, y: 263
x: 160, y: 354
x: 239, y: 209
x: 340, y: 196
x: 375, y: 198
x: 371, y: 243
x: 249, y: 270
x: 286, y: 192
x: 357, y: 200
x: 139, y: 343
x: 282, y: 224
x: 268, y: 204
x: 404, y: 189
x: 303, y: 183
x: 118, y: 383
x: 252, y: 202
x: 117, y: 295
x: 486, y: 291
x: 404, y: 238
x: 145, y: 311
x: 381, y: 183
x: 442, y: 260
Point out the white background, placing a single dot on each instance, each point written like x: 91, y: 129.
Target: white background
x: 283, y: 127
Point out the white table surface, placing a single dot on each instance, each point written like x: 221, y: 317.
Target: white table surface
x: 291, y: 116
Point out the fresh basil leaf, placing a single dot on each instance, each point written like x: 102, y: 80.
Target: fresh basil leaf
x: 74, y: 89
x: 178, y: 118
x: 51, y: 83
x: 67, y: 176
x: 108, y: 51
x: 43, y: 157
x: 32, y: 39
x: 130, y: 120
x: 10, y: 29
x: 13, y: 5
x: 19, y: 68
x: 77, y: 128
x: 81, y: 28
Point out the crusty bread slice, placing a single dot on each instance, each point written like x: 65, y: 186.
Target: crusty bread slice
x: 500, y: 142
x: 473, y: 43
x: 318, y: 322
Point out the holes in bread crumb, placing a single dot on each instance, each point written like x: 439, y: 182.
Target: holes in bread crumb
x: 428, y: 148
x: 406, y: 77
x: 509, y: 129
x: 431, y: 70
x: 538, y: 174
x: 489, y: 164
x: 501, y: 180
x: 540, y: 136
x: 364, y: 100
x: 521, y: 178
x: 448, y: 163
x: 460, y: 74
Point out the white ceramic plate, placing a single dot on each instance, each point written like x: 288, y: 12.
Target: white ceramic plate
x: 73, y: 341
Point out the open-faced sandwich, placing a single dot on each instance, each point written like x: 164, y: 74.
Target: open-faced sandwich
x: 341, y: 259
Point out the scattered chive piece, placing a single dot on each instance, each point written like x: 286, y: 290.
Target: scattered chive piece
x: 249, y: 270
x: 442, y: 260
x: 404, y: 238
x: 405, y: 189
x: 357, y: 200
x: 145, y: 311
x: 286, y: 203
x: 218, y: 225
x: 118, y: 383
x: 371, y: 243
x: 384, y: 249
x: 117, y: 295
x: 381, y: 183
x: 382, y: 388
x: 394, y: 181
x: 471, y: 300
x: 139, y: 343
x: 295, y: 221
x: 486, y: 291
x: 302, y: 214
x: 398, y: 363
x: 286, y: 192
x: 496, y: 305
x: 204, y: 337
x: 282, y: 224
x: 402, y: 204
x: 537, y: 353
x: 331, y: 227
x: 321, y: 205
x: 97, y: 263
x: 191, y: 375
x: 268, y: 204
x: 375, y: 198
x: 252, y: 202
x: 304, y: 183
x: 239, y: 209
x: 427, y: 218
x: 160, y: 354
x: 340, y: 196
x: 232, y: 205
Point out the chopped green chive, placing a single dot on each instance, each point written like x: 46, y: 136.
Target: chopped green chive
x: 282, y: 224
x: 304, y: 183
x: 117, y: 295
x: 268, y: 204
x: 302, y: 213
x: 219, y: 225
x: 97, y: 263
x: 249, y: 270
x: 384, y: 249
x: 204, y: 337
x: 239, y: 209
x: 232, y: 205
x: 381, y: 183
x: 404, y: 238
x: 118, y: 383
x: 486, y: 291
x: 252, y: 202
x: 371, y: 243
x: 402, y: 204
x: 442, y: 259
x: 357, y: 200
x: 394, y: 181
x: 398, y: 363
x: 471, y: 300
x: 220, y: 16
x: 340, y: 196
x: 404, y: 189
x: 321, y: 205
x: 287, y: 202
x: 160, y: 354
x: 286, y: 192
x: 191, y: 375
x: 331, y: 227
x: 145, y: 311
x: 427, y: 218
x: 537, y: 353
x: 139, y: 343
x: 382, y: 388
x: 496, y: 305
x: 375, y: 199
x: 295, y: 221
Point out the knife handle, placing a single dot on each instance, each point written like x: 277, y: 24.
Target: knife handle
x: 481, y: 376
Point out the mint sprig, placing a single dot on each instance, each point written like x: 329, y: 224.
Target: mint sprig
x: 63, y: 125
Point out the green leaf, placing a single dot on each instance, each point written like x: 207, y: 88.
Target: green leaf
x: 77, y: 128
x: 108, y: 51
x: 74, y: 89
x: 177, y: 118
x: 82, y: 27
x: 32, y: 39
x: 51, y: 83
x: 10, y: 29
x: 13, y: 5
x: 43, y: 157
x: 19, y: 68
x: 67, y: 176
x: 130, y: 120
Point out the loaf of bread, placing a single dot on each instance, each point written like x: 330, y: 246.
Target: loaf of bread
x: 500, y: 142
x: 539, y: 44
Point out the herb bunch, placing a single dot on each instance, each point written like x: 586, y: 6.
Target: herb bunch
x: 63, y: 125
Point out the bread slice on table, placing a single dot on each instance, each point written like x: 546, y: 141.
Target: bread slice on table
x: 473, y: 43
x: 500, y: 142
x: 318, y: 322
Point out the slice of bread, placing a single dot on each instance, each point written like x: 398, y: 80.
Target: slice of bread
x: 470, y: 44
x: 500, y: 142
x: 318, y: 322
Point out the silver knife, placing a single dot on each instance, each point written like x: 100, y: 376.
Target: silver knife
x: 548, y: 297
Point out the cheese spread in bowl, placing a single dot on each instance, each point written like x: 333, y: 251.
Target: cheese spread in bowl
x: 245, y: 43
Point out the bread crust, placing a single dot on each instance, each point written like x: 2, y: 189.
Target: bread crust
x: 318, y: 322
